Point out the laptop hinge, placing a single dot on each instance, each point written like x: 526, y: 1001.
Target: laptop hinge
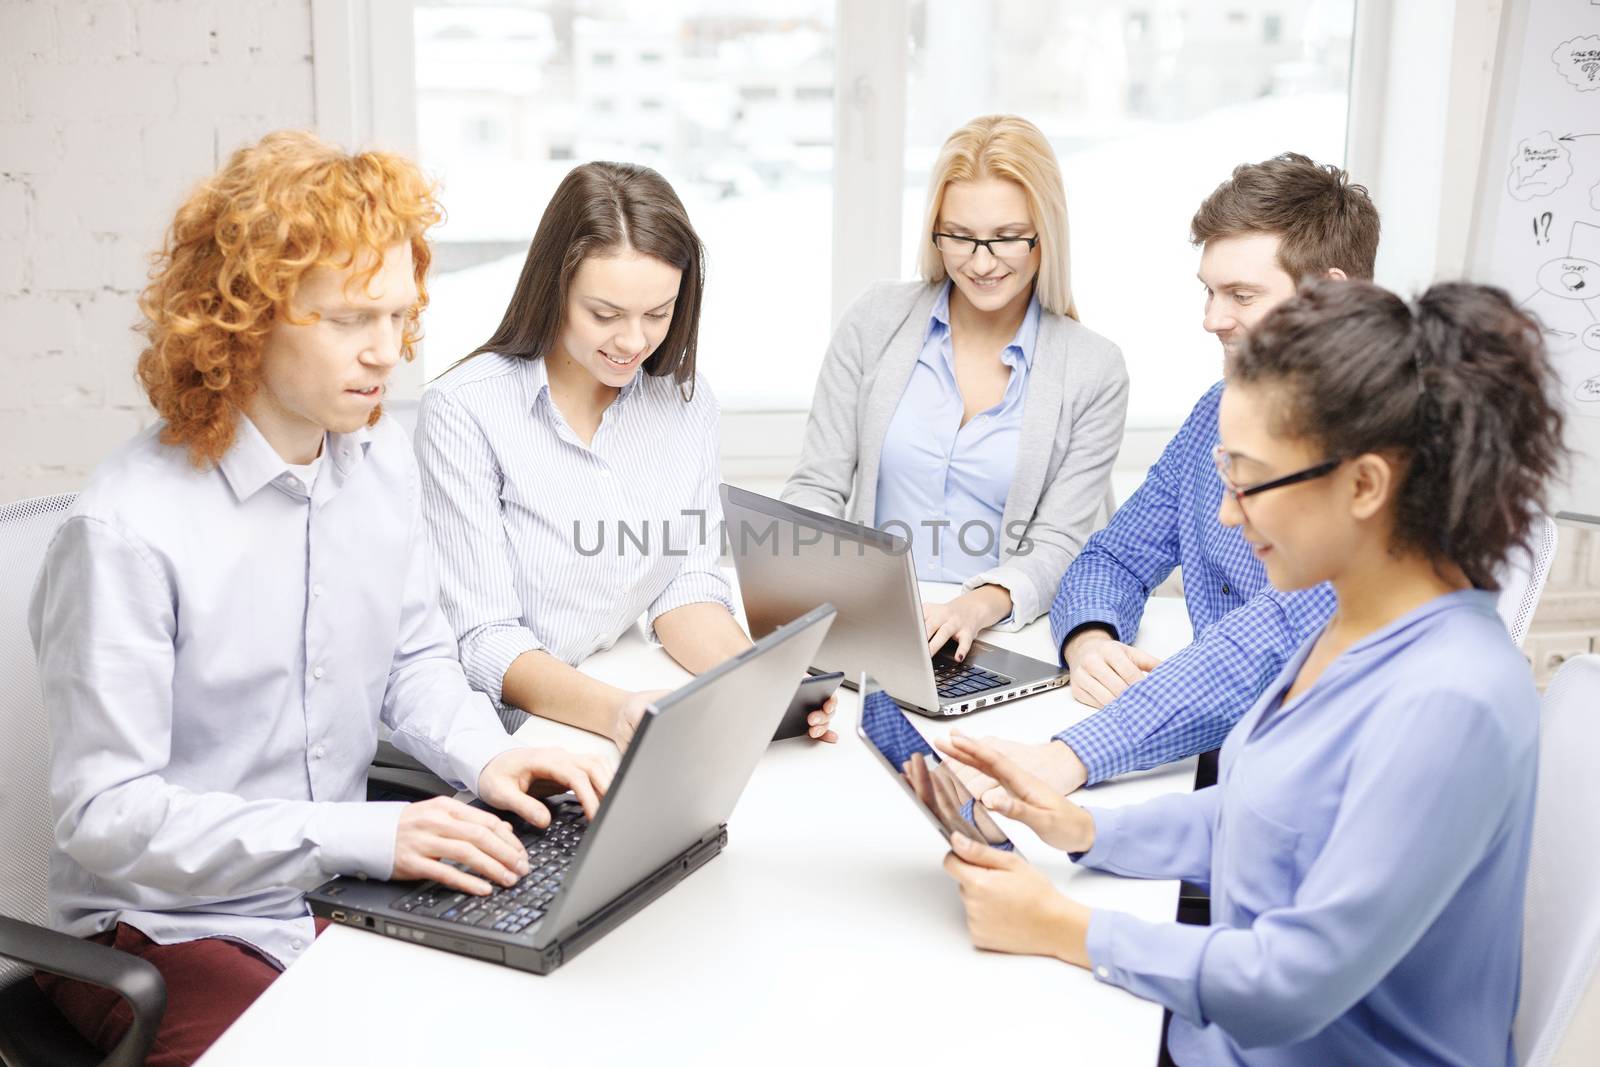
x: 623, y: 907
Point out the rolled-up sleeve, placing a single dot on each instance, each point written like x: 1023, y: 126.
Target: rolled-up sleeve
x: 103, y: 621
x: 477, y: 576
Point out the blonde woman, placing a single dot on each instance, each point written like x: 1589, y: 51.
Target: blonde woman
x: 970, y: 411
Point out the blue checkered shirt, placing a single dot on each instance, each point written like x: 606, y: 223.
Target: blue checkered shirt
x: 1244, y: 629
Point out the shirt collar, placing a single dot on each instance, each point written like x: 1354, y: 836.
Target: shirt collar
x: 1020, y: 350
x: 1022, y: 345
x: 536, y: 383
x: 251, y: 463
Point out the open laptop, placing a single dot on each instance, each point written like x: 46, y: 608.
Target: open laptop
x: 790, y: 560
x: 664, y: 817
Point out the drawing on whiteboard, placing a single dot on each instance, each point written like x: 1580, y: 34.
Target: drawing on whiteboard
x: 1578, y: 60
x: 1588, y: 391
x: 1591, y: 337
x: 1539, y: 167
x: 1568, y: 299
x: 1594, y: 194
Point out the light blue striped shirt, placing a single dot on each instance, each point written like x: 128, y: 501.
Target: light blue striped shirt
x: 216, y: 649
x: 945, y: 482
x: 545, y: 543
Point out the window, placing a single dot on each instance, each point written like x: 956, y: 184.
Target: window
x: 1147, y: 112
x: 1148, y: 106
x: 739, y: 118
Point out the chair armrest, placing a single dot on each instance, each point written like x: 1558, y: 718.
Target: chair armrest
x: 420, y: 784
x: 390, y: 756
x: 133, y: 979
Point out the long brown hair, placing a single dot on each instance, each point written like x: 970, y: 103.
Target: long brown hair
x: 598, y: 209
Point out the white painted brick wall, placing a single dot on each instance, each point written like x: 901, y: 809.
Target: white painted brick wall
x: 110, y: 111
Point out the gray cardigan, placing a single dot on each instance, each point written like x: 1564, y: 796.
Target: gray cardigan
x: 1072, y: 421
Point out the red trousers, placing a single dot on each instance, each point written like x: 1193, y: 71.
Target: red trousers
x: 210, y: 982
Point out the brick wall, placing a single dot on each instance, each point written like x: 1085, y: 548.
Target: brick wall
x: 109, y: 113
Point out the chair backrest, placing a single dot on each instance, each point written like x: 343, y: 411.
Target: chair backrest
x: 1561, y: 926
x: 1523, y: 579
x: 26, y: 835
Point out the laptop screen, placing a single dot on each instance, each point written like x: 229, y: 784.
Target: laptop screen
x: 928, y: 780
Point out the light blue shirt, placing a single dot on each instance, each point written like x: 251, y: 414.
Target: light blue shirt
x: 1366, y: 849
x: 216, y: 649
x: 945, y: 482
x: 548, y: 544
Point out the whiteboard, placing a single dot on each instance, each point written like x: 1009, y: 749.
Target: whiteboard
x: 1536, y: 227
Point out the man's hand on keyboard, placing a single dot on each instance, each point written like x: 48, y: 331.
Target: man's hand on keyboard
x: 508, y: 779
x: 443, y: 828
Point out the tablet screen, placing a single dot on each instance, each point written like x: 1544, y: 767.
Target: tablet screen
x: 930, y: 781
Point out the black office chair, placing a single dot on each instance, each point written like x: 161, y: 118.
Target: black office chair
x: 32, y: 1032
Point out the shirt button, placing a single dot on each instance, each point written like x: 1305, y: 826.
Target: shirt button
x: 316, y: 590
x: 1226, y: 589
x: 297, y: 944
x: 1102, y: 972
x: 318, y: 752
x: 316, y: 672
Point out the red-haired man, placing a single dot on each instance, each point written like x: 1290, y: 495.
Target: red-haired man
x: 242, y: 594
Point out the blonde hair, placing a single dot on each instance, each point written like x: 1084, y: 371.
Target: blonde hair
x: 1006, y: 146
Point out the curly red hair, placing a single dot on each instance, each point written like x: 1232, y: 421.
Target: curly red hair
x: 236, y: 254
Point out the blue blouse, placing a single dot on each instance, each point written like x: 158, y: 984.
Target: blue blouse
x: 943, y: 485
x: 1366, y: 849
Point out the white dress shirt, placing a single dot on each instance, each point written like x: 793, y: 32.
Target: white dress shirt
x: 545, y: 543
x: 216, y: 648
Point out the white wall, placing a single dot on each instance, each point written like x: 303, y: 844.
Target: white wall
x: 109, y: 112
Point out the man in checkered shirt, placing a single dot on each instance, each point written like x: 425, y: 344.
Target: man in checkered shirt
x: 1269, y: 225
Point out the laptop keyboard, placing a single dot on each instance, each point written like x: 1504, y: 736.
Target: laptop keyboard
x: 510, y: 909
x: 963, y: 679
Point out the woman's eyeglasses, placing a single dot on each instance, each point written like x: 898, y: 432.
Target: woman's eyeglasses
x: 1224, y: 461
x: 1010, y: 249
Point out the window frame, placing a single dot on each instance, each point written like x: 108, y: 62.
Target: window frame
x: 362, y: 45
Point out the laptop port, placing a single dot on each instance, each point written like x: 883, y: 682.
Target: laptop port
x: 981, y: 702
x: 339, y: 916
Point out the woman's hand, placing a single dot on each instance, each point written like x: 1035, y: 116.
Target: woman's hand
x: 819, y: 722
x: 630, y: 709
x: 1022, y: 796
x: 961, y: 619
x: 1011, y: 907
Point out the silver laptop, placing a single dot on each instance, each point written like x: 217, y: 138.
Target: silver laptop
x: 790, y: 560
x: 665, y: 816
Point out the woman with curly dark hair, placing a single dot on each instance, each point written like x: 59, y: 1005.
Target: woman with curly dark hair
x: 1367, y: 845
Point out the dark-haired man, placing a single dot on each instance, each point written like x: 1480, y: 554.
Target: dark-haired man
x: 1268, y: 226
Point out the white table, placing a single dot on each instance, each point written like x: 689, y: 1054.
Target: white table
x: 826, y: 932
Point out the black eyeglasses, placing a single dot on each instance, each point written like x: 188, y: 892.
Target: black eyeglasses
x: 1012, y: 248
x: 1224, y: 461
